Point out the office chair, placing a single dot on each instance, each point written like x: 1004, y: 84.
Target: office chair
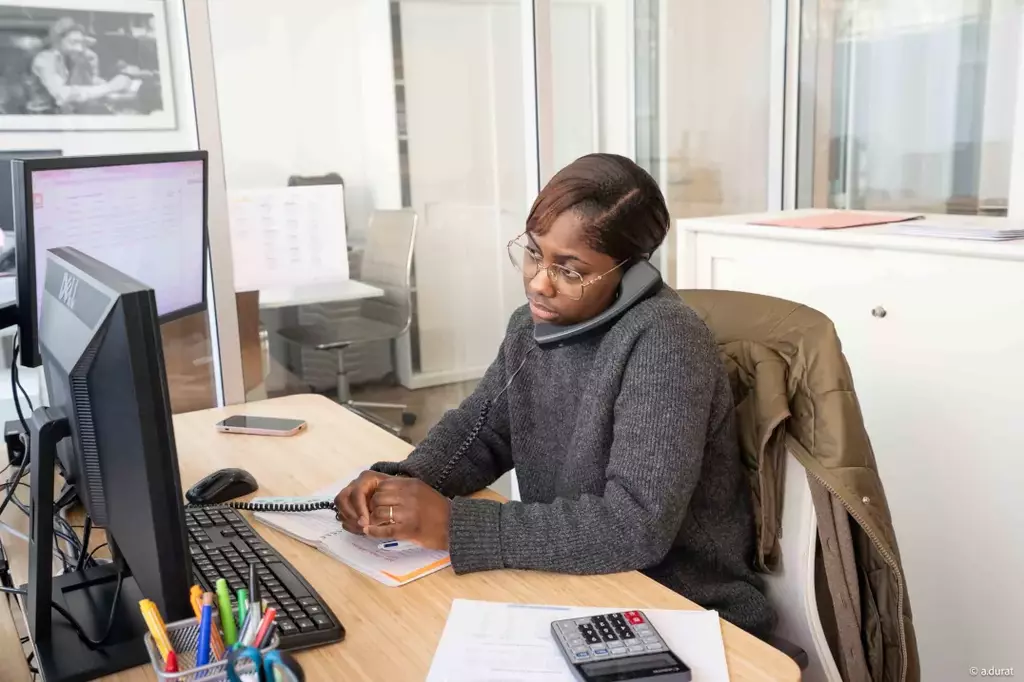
x: 795, y: 395
x: 387, y: 265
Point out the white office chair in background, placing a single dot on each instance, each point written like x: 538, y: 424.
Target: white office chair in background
x: 387, y: 265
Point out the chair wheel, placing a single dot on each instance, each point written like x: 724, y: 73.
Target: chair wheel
x: 408, y: 418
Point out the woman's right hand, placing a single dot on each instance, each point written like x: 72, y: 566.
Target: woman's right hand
x: 353, y: 502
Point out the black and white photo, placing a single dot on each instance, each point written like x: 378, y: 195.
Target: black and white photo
x: 95, y: 65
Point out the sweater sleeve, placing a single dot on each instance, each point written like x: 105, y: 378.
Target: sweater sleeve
x: 661, y: 420
x: 487, y: 457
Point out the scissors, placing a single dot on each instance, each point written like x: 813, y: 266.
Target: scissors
x: 247, y: 664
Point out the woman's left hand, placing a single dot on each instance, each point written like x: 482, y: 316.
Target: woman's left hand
x: 409, y: 509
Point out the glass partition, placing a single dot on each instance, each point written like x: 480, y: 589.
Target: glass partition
x: 363, y: 108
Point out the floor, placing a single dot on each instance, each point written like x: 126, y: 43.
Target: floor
x: 428, y: 404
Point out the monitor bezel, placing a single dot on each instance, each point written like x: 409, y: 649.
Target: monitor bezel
x: 25, y: 252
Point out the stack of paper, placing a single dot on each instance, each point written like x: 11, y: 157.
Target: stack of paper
x: 495, y: 642
x: 984, y: 229
x: 393, y: 567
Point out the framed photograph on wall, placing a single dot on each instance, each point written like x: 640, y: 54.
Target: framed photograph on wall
x: 70, y: 65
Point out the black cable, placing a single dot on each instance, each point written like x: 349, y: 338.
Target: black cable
x: 93, y: 552
x: 110, y: 619
x: 14, y: 389
x: 17, y: 479
x: 83, y: 552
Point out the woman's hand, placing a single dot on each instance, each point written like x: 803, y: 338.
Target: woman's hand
x: 409, y: 509
x: 353, y: 502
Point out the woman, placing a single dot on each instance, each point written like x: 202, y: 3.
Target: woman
x: 623, y: 441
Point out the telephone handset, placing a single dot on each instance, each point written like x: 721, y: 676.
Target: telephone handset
x: 638, y: 282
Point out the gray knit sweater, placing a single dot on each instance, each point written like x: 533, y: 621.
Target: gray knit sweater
x: 626, y: 454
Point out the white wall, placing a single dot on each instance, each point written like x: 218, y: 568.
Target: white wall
x: 306, y: 87
x: 74, y: 143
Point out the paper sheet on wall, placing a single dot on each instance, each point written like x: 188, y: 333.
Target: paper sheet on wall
x: 288, y: 236
x: 495, y: 642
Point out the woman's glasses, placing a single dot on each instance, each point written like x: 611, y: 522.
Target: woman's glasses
x: 567, y: 282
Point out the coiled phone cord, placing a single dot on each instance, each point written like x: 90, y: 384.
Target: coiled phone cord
x: 478, y: 426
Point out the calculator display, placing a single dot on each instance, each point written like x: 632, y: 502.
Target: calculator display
x: 629, y: 665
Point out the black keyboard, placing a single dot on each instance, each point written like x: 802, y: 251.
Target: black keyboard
x: 223, y: 545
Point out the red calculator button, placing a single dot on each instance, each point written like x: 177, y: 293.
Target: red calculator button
x: 634, y: 618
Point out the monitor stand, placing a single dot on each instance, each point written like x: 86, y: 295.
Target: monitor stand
x: 61, y: 655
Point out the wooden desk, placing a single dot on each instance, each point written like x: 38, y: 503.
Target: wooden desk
x: 336, y: 442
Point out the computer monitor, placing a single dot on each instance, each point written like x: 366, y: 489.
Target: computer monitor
x: 102, y: 356
x: 143, y: 214
x: 8, y: 188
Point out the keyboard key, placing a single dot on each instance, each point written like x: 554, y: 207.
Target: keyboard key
x: 322, y: 621
x: 308, y: 601
x: 293, y: 610
x: 286, y: 627
x: 289, y: 580
x: 305, y: 624
x: 313, y: 610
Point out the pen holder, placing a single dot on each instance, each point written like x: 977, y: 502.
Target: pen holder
x: 184, y: 636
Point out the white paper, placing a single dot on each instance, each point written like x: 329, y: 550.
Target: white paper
x: 288, y: 236
x: 496, y: 642
x: 392, y: 567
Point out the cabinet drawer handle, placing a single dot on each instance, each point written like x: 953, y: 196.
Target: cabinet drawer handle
x: 879, y: 311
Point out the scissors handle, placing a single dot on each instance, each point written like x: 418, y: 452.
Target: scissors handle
x: 279, y: 666
x: 242, y: 655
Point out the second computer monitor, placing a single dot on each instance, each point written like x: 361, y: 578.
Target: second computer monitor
x: 144, y: 214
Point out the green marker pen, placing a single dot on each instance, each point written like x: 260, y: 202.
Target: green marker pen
x: 242, y: 597
x: 227, y: 618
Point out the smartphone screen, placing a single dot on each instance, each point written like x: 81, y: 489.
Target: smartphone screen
x: 264, y: 423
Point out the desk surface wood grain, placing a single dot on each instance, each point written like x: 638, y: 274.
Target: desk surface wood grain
x: 391, y: 632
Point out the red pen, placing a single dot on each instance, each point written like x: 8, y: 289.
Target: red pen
x: 261, y: 632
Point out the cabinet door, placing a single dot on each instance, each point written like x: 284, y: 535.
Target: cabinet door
x: 834, y: 280
x: 948, y: 434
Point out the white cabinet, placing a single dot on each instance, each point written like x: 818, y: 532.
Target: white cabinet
x: 933, y: 331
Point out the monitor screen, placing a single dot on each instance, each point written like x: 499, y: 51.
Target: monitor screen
x: 144, y: 219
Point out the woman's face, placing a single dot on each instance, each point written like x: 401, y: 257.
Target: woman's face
x: 563, y: 245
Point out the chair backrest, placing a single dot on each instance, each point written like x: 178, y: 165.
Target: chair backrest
x: 387, y: 264
x: 327, y: 179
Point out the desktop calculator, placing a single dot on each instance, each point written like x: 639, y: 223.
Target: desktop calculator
x: 617, y: 646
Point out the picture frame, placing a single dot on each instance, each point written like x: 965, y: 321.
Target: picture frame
x: 85, y: 65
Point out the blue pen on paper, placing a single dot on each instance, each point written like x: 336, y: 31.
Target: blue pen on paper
x: 396, y: 544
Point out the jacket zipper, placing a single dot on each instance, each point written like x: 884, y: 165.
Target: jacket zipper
x: 889, y: 560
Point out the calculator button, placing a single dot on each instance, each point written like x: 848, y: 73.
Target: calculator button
x: 627, y: 634
x: 580, y: 655
x: 635, y: 649
x: 567, y: 627
x: 618, y: 650
x: 654, y: 646
x: 575, y: 641
x: 640, y: 629
x: 634, y: 617
x: 609, y: 636
x: 600, y: 652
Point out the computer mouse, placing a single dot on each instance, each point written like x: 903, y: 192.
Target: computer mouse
x: 222, y: 486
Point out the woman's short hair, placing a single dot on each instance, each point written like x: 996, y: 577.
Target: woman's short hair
x: 622, y: 209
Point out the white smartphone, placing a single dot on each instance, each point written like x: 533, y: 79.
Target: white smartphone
x: 261, y: 426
